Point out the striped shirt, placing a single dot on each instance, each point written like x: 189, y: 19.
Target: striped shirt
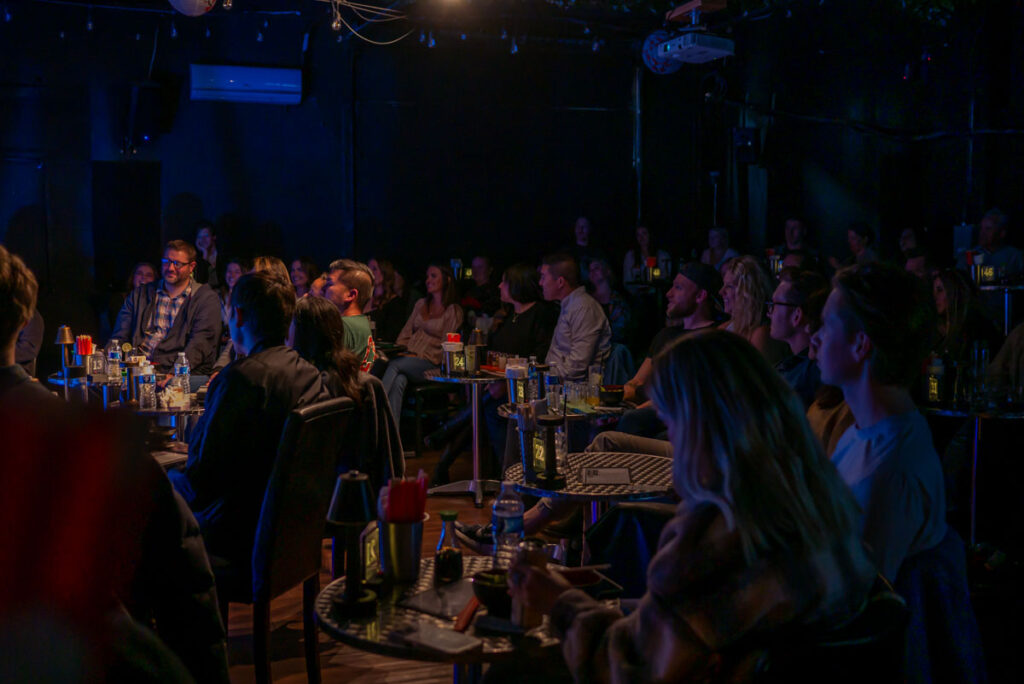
x: 167, y: 308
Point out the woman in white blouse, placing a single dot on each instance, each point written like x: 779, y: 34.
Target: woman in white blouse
x: 437, y: 314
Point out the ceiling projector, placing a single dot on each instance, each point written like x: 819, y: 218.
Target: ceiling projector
x: 695, y: 48
x: 665, y: 52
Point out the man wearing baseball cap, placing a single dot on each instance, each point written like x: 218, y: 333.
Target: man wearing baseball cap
x: 692, y: 298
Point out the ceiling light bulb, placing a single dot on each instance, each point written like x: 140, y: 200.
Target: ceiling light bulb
x: 336, y: 24
x: 226, y: 4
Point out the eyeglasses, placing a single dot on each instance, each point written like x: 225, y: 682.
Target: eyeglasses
x: 176, y: 264
x: 770, y: 305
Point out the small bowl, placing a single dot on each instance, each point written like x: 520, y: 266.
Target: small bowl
x: 610, y: 395
x: 491, y: 588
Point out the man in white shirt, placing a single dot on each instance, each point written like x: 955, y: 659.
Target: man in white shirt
x: 582, y: 334
x: 877, y: 327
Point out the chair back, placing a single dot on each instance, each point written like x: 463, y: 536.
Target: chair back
x: 619, y: 368
x: 287, y: 548
x: 943, y: 641
x: 868, y: 648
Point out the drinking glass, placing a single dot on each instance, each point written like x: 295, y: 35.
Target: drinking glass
x: 594, y: 374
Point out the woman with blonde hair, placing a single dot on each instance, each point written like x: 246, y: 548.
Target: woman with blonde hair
x: 764, y: 540
x: 746, y: 289
x: 275, y: 267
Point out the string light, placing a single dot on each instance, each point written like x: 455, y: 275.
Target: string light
x: 174, y: 30
x: 88, y: 21
x: 336, y: 24
x: 514, y: 48
x: 430, y: 40
x: 226, y: 4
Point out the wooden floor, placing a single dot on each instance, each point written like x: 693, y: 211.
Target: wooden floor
x: 340, y: 663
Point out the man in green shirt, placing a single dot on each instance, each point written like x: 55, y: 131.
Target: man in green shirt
x: 349, y: 286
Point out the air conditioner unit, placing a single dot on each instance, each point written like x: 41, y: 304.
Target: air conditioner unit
x: 695, y: 48
x: 265, y: 85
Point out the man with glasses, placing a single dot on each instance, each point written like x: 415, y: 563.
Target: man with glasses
x: 172, y: 315
x: 789, y: 318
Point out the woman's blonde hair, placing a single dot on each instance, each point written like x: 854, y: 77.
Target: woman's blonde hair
x: 753, y: 288
x: 275, y: 267
x: 741, y: 442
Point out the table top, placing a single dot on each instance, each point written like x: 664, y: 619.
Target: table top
x: 1011, y: 413
x: 372, y: 634
x: 435, y: 375
x: 999, y: 288
x: 650, y: 477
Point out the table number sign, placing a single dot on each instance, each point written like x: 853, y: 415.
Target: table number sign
x: 605, y: 476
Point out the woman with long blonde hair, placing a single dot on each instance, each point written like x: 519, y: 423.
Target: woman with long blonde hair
x: 764, y: 540
x: 746, y: 289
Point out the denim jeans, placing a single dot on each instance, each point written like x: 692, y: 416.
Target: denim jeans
x: 402, y: 371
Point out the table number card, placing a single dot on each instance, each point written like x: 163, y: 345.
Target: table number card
x: 605, y: 476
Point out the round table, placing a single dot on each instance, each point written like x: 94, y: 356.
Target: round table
x: 477, y: 487
x: 650, y: 478
x: 372, y: 634
x: 976, y: 417
x: 1007, y: 291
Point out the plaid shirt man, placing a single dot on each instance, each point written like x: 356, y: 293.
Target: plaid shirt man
x: 167, y: 309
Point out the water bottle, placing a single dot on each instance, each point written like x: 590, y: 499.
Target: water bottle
x: 533, y: 380
x: 114, y: 361
x: 507, y: 523
x: 147, y: 389
x: 182, y: 377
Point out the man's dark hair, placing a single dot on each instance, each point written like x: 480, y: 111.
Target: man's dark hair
x: 997, y: 215
x: 182, y: 246
x: 320, y: 339
x: 523, y: 283
x: 267, y: 303
x: 895, y: 310
x: 356, y: 276
x: 18, y: 290
x: 208, y: 224
x: 565, y: 266
x: 804, y: 284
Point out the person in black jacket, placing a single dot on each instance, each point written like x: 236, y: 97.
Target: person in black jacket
x: 232, y: 450
x: 174, y: 314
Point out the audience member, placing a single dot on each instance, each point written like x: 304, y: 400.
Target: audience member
x: 30, y: 341
x: 208, y: 271
x: 175, y: 314
x: 387, y: 309
x: 143, y: 272
x: 829, y: 416
x: 919, y: 264
x: 859, y: 237
x: 1007, y: 368
x: 303, y: 272
x: 232, y: 449
x: 745, y: 289
x: 275, y: 267
x: 318, y: 334
x: 692, y: 299
x: 232, y: 272
x: 877, y: 328
x: 482, y: 294
x: 616, y: 308
x: 993, y: 247
x: 961, y: 323
x: 637, y: 256
x: 583, y: 249
x: 718, y: 251
x: 795, y: 239
x: 435, y: 315
x: 349, y: 287
x: 800, y: 259
x: 582, y: 335
x: 765, y: 538
x: 18, y: 292
x: 316, y: 288
x: 788, y: 323
x: 908, y: 242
